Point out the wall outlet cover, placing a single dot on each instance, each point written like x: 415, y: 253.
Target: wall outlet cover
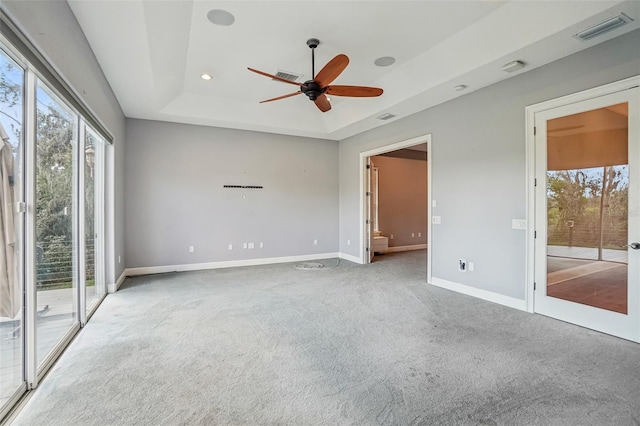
x: 462, y: 265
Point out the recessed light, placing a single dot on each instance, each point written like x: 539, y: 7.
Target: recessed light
x: 459, y: 87
x: 206, y: 76
x: 513, y: 66
x: 220, y: 17
x: 385, y: 61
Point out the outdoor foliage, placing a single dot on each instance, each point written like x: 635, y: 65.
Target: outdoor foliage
x: 56, y: 137
x: 574, y: 198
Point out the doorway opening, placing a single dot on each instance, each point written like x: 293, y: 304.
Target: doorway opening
x: 395, y: 199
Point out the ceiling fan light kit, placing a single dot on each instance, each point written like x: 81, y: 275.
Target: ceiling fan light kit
x: 318, y: 87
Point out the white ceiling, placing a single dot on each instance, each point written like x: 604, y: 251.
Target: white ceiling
x: 153, y: 53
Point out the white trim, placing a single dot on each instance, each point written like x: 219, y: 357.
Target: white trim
x: 225, y: 264
x: 429, y: 211
x: 426, y: 138
x: 79, y: 222
x: 350, y: 258
x: 30, y: 271
x: 489, y: 296
x: 530, y: 113
x: 405, y: 248
x: 112, y: 288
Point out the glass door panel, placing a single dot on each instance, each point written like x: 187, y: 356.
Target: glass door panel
x: 95, y: 286
x: 11, y: 324
x: 56, y: 251
x: 587, y: 207
x: 585, y: 156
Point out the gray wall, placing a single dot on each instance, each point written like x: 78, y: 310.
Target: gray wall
x: 53, y: 28
x: 478, y: 164
x: 175, y: 197
x: 402, y: 200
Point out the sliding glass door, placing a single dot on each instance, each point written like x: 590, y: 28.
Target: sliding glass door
x: 12, y: 379
x: 92, y: 219
x: 55, y: 208
x: 52, y: 273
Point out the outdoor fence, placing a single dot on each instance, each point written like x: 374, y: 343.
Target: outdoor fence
x: 55, y: 263
x: 583, y: 232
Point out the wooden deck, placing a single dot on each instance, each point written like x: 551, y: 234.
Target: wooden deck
x: 57, y: 317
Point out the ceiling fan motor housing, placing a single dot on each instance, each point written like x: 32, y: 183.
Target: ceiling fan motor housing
x: 311, y: 89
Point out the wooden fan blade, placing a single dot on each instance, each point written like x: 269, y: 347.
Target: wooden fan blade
x: 281, y: 97
x: 266, y: 74
x: 332, y: 70
x: 354, y: 91
x: 323, y: 103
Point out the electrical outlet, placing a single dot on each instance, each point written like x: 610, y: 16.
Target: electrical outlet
x: 315, y: 242
x: 230, y: 246
x: 244, y: 245
x: 413, y: 235
x: 191, y: 249
x: 251, y: 245
x: 470, y: 266
x: 462, y: 265
x: 391, y: 237
x: 419, y: 234
x: 348, y: 242
x: 119, y: 259
x: 261, y: 245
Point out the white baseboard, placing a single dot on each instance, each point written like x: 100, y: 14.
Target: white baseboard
x: 406, y: 248
x: 490, y: 296
x: 112, y: 288
x: 225, y: 264
x: 351, y: 258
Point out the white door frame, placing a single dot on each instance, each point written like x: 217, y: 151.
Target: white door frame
x: 363, y: 191
x: 531, y: 111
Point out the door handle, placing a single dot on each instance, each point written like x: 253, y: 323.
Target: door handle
x: 635, y: 246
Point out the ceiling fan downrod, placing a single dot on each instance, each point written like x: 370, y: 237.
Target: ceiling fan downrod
x: 310, y: 87
x: 313, y: 43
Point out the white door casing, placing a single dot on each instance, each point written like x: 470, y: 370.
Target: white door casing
x: 619, y: 324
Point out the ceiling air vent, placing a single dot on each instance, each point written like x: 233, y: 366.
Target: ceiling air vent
x: 603, y: 27
x: 288, y: 76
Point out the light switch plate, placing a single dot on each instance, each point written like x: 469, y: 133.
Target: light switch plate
x: 437, y: 220
x: 518, y: 224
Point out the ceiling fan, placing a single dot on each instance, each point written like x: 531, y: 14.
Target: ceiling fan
x: 319, y: 87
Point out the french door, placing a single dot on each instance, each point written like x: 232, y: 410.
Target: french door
x: 587, y: 213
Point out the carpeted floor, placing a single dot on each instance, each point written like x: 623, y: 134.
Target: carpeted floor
x: 351, y: 344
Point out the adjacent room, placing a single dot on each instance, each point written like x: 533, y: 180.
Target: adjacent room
x: 263, y: 212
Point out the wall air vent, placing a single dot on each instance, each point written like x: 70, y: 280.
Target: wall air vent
x: 291, y: 76
x: 603, y: 27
